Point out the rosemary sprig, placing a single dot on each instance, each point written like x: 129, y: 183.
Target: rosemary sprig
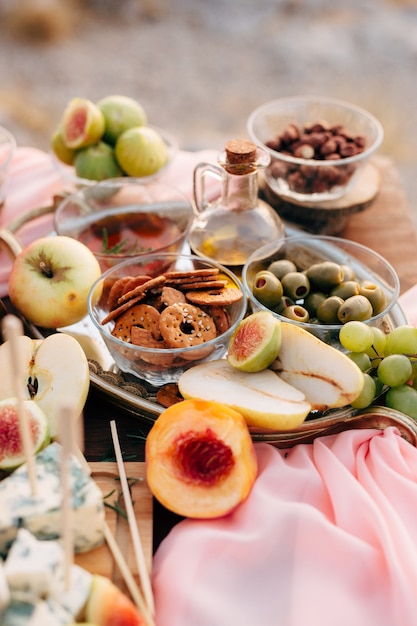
x: 123, y: 247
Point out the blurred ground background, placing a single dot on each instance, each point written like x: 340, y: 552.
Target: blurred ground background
x: 199, y: 67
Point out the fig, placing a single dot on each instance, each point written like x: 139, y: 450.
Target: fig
x: 200, y: 459
x: 141, y: 151
x: 82, y: 123
x: 120, y: 113
x: 11, y: 445
x: 60, y: 149
x: 255, y: 343
x: 97, y: 162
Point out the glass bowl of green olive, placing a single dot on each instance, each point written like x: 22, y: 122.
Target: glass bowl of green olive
x: 321, y: 282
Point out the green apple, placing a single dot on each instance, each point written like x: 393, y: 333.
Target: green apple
x: 50, y: 280
x: 53, y: 369
x: 263, y: 398
x: 326, y: 376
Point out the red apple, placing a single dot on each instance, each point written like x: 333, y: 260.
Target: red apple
x: 50, y: 280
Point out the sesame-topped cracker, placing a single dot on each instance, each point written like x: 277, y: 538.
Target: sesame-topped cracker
x: 122, y: 308
x: 208, y: 284
x: 228, y: 295
x: 183, y: 325
x: 209, y: 271
x: 116, y: 291
x: 134, y: 282
x: 141, y: 289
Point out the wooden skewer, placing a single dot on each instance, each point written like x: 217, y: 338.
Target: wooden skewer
x: 12, y: 328
x: 133, y: 527
x: 67, y: 420
x: 127, y: 576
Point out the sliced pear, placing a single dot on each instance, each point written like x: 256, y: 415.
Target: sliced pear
x: 326, y: 376
x: 54, y: 369
x: 262, y: 398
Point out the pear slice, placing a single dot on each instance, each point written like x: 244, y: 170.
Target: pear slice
x: 262, y: 398
x: 326, y: 376
x: 54, y: 369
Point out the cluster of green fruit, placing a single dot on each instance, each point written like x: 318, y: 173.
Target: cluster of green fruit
x: 388, y: 362
x: 108, y: 139
x: 324, y: 293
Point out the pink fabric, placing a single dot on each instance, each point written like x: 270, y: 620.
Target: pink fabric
x: 408, y: 303
x: 34, y: 180
x: 327, y: 537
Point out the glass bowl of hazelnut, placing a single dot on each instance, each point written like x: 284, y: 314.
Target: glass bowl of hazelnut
x: 318, y: 145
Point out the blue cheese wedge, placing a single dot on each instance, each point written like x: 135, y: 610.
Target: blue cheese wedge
x: 42, y: 514
x: 42, y: 613
x: 35, y: 570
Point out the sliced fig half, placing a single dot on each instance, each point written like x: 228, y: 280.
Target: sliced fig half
x: 255, y: 343
x: 11, y: 445
x: 82, y: 123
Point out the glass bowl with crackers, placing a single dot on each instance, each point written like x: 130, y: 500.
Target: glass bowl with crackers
x: 161, y: 314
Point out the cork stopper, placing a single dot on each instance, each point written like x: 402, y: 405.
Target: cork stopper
x: 240, y: 151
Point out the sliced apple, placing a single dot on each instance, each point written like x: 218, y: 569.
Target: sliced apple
x: 107, y: 605
x: 54, y: 369
x: 263, y: 398
x: 326, y: 376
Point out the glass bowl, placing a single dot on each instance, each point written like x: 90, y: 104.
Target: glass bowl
x: 121, y: 218
x: 304, y: 251
x: 70, y: 177
x: 161, y: 365
x: 309, y: 139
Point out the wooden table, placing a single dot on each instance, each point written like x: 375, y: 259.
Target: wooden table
x: 387, y: 227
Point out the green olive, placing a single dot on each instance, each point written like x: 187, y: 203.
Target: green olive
x: 327, y: 312
x: 313, y: 301
x: 296, y: 285
x: 355, y: 308
x: 346, y: 289
x: 284, y: 302
x: 267, y: 288
x: 326, y: 275
x: 375, y: 294
x: 348, y: 272
x: 296, y: 312
x: 280, y: 267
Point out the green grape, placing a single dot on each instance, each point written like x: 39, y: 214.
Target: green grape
x: 379, y: 386
x: 367, y: 394
x: 361, y: 359
x: 402, y: 340
x: 377, y: 350
x: 356, y: 336
x: 394, y: 370
x: 404, y: 399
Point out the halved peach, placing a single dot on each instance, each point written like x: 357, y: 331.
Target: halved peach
x: 200, y: 459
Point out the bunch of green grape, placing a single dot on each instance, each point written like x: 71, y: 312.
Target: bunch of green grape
x: 388, y: 362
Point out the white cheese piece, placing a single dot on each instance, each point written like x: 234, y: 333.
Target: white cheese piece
x: 75, y: 598
x: 35, y: 569
x: 41, y: 514
x: 4, y: 588
x: 43, y: 613
x: 31, y: 566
